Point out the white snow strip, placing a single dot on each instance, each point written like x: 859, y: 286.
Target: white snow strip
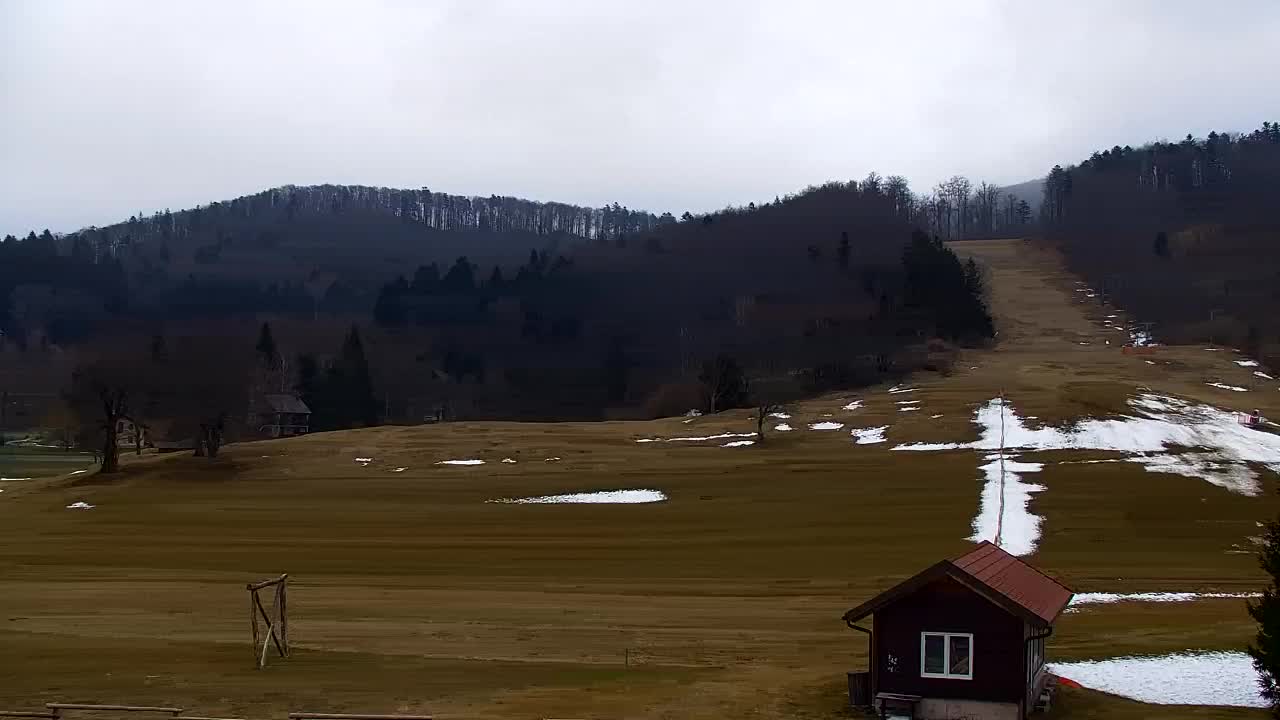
x: 935, y: 417
x: 603, y: 497
x: 868, y: 436
x: 782, y: 427
x: 364, y: 460
x: 401, y: 469
x: 1222, y: 386
x: 80, y: 505
x: 460, y: 462
x: 722, y: 436
x: 1003, y: 517
x: 1262, y: 375
x: 853, y: 405
x: 1211, y: 678
x: 1148, y: 362
x: 898, y: 389
x: 509, y: 461
x: 1247, y: 363
x: 739, y: 443
x: 908, y: 402
x: 1104, y: 598
x: 4, y: 479
x: 908, y: 409
x: 78, y: 472
x: 828, y: 425
x: 552, y: 459
x: 780, y: 416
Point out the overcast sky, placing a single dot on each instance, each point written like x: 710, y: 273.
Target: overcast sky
x: 113, y: 108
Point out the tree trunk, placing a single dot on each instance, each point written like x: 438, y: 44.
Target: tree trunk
x: 110, y: 450
x: 760, y: 426
x: 199, y: 449
x: 213, y: 440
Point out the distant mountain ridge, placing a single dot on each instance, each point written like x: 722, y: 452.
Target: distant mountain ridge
x: 1032, y: 191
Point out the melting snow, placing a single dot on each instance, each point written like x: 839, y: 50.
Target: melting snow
x: 722, y: 436
x: 552, y: 459
x: 1224, y: 447
x: 460, y: 462
x: 80, y: 505
x: 826, y: 426
x: 739, y: 443
x: 1003, y: 517
x: 4, y: 479
x: 78, y: 472
x: 364, y: 461
x: 1262, y: 375
x: 868, y: 436
x: 509, y: 461
x: 853, y: 405
x: 780, y: 416
x: 935, y: 417
x: 896, y: 389
x: 1221, y: 386
x: 400, y: 469
x: 908, y: 409
x: 908, y: 402
x: 603, y: 497
x: 782, y: 427
x: 1103, y: 598
x: 1211, y: 678
x: 1247, y: 363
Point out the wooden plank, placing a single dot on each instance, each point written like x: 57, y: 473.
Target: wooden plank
x: 284, y: 615
x: 267, y: 583
x: 253, y: 620
x: 113, y: 708
x: 341, y: 716
x: 27, y: 714
x: 271, y: 628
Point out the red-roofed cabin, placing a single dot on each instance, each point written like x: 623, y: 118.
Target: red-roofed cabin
x: 963, y: 638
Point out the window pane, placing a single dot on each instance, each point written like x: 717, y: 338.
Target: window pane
x: 933, y: 654
x: 959, y: 655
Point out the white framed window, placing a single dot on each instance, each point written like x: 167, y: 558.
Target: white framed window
x: 946, y: 655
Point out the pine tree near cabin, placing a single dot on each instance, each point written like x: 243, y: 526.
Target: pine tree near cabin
x: 1265, y: 649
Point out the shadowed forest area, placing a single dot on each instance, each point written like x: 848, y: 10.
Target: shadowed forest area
x: 388, y: 306
x: 1181, y: 234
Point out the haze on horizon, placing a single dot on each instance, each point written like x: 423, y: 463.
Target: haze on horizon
x: 110, y: 109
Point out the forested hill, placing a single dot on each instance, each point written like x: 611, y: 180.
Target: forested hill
x: 1184, y: 234
x: 508, y: 308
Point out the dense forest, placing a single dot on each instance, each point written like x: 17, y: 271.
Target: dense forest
x: 1182, y: 234
x: 404, y: 306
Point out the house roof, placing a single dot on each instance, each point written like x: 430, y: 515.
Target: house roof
x: 991, y: 572
x: 283, y: 403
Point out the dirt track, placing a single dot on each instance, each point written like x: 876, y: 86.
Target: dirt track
x: 414, y: 594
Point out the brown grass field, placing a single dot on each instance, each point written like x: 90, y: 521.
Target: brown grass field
x: 412, y: 594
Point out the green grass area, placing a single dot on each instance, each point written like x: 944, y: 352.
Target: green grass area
x: 27, y: 461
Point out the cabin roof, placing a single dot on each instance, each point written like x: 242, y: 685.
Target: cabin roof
x: 991, y: 572
x: 284, y: 403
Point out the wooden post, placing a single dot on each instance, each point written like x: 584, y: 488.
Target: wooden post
x: 277, y: 626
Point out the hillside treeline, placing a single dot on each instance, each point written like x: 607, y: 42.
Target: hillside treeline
x: 1183, y: 234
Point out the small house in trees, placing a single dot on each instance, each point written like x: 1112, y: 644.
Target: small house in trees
x: 962, y: 638
x: 282, y: 415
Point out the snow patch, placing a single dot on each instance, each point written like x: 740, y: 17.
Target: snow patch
x: 4, y: 479
x: 1003, y: 517
x: 509, y: 461
x: 1211, y: 678
x: 1264, y: 376
x: 1222, y: 386
x: 856, y: 404
x: 780, y: 416
x: 935, y: 417
x: 400, y: 469
x: 828, y: 425
x: 722, y: 436
x: 552, y: 459
x: 868, y: 436
x: 908, y: 402
x: 80, y: 505
x: 1247, y: 363
x: 1104, y: 598
x: 898, y: 389
x: 78, y: 472
x: 782, y: 427
x: 603, y: 497
x: 1155, y: 436
x: 460, y: 462
x: 739, y: 443
x: 908, y: 409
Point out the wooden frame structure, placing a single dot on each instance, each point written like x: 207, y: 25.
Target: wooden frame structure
x: 277, y: 627
x: 54, y: 711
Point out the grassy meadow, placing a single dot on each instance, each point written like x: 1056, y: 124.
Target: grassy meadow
x: 411, y: 593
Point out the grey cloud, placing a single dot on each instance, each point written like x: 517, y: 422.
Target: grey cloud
x: 108, y: 109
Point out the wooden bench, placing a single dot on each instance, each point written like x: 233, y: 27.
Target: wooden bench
x: 897, y: 701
